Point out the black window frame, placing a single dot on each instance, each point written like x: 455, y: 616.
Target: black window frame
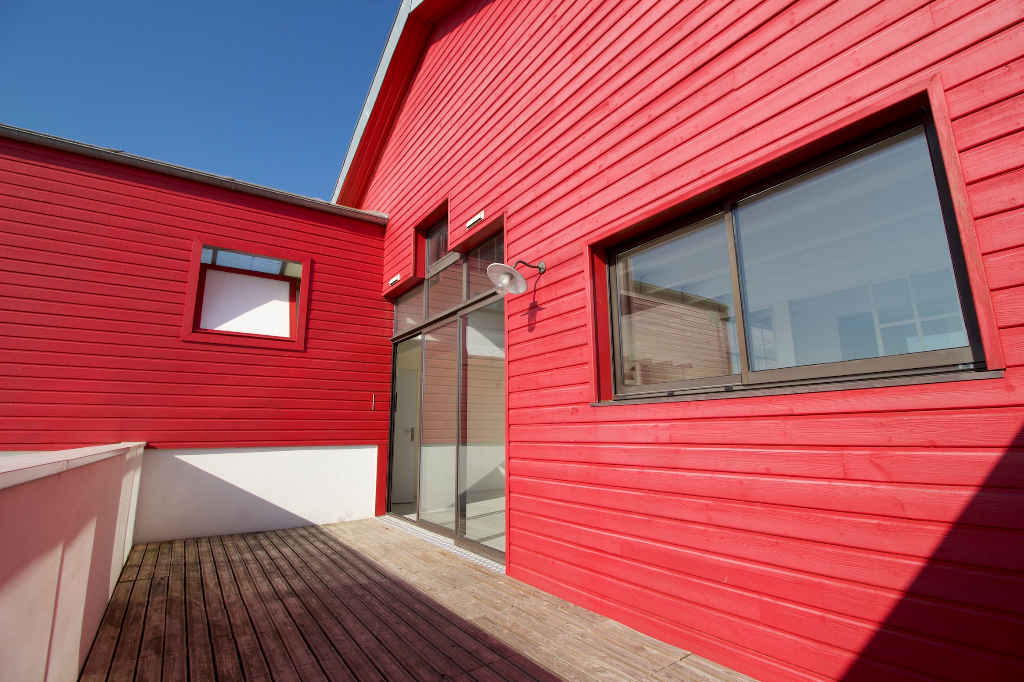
x: 965, y: 359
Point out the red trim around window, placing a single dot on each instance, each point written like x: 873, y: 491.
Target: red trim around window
x: 190, y: 330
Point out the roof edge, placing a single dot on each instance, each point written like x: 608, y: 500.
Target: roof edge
x: 404, y: 10
x: 222, y: 181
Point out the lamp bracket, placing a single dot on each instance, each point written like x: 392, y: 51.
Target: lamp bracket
x: 539, y: 267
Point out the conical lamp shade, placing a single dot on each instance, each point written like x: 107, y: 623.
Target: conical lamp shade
x: 506, y: 279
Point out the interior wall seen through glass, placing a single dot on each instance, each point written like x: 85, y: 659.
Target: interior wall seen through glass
x: 850, y: 262
x: 405, y: 442
x: 676, y: 316
x: 483, y: 425
x: 439, y: 422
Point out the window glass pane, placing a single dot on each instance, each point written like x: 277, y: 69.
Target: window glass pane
x: 676, y: 319
x: 268, y: 265
x: 491, y: 251
x: 851, y: 262
x: 437, y: 242
x: 250, y: 261
x: 440, y: 412
x: 483, y: 424
x: 444, y: 290
x: 409, y: 310
x: 233, y: 259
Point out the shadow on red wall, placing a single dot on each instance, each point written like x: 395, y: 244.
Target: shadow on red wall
x: 962, y: 618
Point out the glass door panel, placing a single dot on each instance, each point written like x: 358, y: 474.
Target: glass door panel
x: 440, y: 412
x: 405, y: 428
x: 482, y: 460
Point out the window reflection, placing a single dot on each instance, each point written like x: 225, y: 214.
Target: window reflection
x: 440, y: 412
x: 676, y: 320
x: 444, y: 290
x: 483, y: 425
x: 848, y: 263
x: 409, y: 310
x: 491, y: 251
x: 437, y: 242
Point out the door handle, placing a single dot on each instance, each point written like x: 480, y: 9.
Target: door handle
x: 412, y: 434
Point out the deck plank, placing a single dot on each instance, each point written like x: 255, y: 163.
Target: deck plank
x: 409, y: 605
x: 362, y: 601
x: 126, y: 656
x: 275, y: 653
x: 250, y: 655
x: 98, y: 664
x: 366, y: 630
x: 175, y: 655
x: 200, y: 653
x: 225, y: 655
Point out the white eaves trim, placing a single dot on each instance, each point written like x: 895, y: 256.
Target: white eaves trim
x: 28, y: 466
x: 404, y: 10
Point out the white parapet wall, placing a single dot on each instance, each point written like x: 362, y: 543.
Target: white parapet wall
x: 66, y: 521
x: 200, y: 492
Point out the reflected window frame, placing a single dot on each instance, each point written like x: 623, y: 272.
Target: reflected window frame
x: 435, y: 266
x: 969, y: 358
x: 666, y: 235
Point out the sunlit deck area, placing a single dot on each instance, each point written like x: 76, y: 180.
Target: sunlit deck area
x: 359, y: 601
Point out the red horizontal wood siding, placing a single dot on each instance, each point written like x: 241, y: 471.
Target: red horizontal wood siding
x: 94, y: 263
x: 870, y: 534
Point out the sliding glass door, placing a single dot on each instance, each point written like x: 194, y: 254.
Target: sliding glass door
x: 447, y: 467
x: 447, y: 460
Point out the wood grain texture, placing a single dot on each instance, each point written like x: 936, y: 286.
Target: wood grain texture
x: 583, y: 119
x: 363, y: 602
x: 93, y: 279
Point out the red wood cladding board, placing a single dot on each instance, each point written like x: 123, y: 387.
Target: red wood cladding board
x: 869, y: 534
x: 94, y: 264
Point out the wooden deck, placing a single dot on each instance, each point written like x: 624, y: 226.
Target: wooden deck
x: 360, y: 601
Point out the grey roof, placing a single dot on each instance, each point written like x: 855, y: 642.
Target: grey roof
x: 118, y: 156
x: 406, y: 8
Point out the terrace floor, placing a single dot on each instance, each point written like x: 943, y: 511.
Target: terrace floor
x: 359, y: 601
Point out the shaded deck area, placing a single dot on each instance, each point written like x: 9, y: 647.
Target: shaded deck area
x: 362, y: 601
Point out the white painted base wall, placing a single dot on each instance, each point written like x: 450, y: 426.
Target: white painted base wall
x: 199, y: 492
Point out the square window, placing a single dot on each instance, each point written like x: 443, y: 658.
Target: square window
x: 239, y: 297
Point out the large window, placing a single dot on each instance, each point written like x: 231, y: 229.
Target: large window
x: 847, y: 269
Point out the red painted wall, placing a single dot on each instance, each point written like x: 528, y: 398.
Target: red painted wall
x: 94, y: 264
x: 873, y: 534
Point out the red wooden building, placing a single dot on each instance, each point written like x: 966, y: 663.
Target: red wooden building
x: 752, y: 407
x: 762, y: 400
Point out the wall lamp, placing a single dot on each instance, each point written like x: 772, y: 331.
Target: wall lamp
x: 508, y: 280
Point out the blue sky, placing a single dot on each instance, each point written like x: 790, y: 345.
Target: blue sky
x: 267, y: 92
